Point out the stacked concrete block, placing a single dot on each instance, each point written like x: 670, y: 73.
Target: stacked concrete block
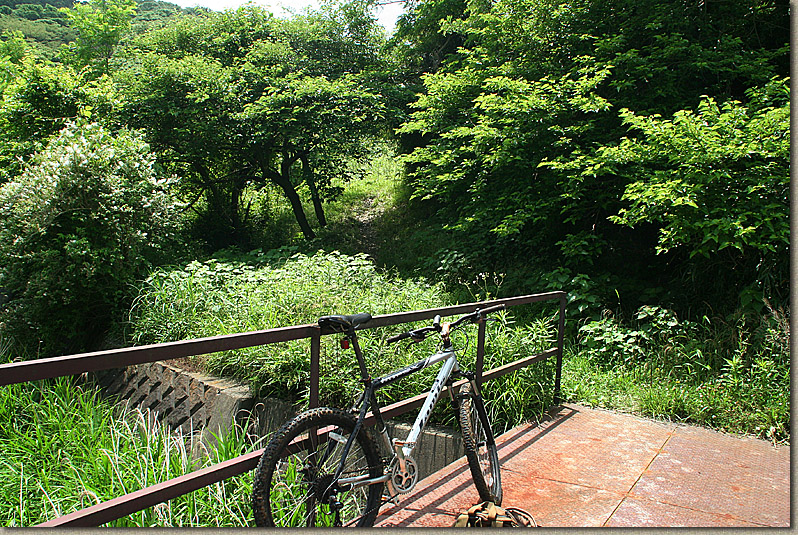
x: 186, y: 401
x: 200, y: 404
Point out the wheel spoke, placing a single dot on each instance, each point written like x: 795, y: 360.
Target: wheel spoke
x: 297, y: 487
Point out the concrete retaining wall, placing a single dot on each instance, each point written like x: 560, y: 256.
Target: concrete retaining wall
x: 184, y: 400
x: 193, y: 402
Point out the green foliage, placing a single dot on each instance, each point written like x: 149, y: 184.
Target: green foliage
x: 420, y: 41
x: 237, y: 101
x: 100, y: 25
x: 64, y: 448
x: 514, y: 136
x: 730, y: 377
x: 269, y: 290
x: 523, y: 395
x: 711, y: 179
x: 13, y: 46
x: 215, y: 297
x: 154, y: 13
x: 44, y: 28
x: 47, y: 29
x: 13, y: 49
x: 76, y: 229
x: 38, y: 101
x: 713, y: 182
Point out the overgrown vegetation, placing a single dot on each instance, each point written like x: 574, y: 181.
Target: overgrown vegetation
x: 729, y: 377
x: 220, y: 297
x: 65, y: 447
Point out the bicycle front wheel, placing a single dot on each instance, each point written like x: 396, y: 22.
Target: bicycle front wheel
x: 295, y: 480
x: 480, y: 446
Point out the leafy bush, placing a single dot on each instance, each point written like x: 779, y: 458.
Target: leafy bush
x: 713, y: 183
x: 728, y: 376
x: 76, y: 230
x: 609, y: 343
x: 39, y: 100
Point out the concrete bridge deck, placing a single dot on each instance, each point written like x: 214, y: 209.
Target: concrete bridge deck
x: 585, y: 467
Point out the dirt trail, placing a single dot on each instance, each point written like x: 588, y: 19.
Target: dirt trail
x: 371, y: 209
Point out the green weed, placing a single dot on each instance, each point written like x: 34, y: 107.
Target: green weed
x: 220, y: 297
x: 64, y: 447
x: 725, y: 376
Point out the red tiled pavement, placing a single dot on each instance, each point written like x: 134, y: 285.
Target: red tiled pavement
x: 587, y: 468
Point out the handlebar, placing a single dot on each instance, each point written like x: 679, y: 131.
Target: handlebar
x: 417, y: 335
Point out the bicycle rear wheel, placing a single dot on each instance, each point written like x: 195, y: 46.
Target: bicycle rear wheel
x: 294, y: 482
x: 480, y: 446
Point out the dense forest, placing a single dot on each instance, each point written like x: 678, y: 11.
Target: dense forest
x: 171, y: 173
x: 629, y: 153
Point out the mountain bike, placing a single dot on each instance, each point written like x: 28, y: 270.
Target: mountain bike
x: 324, y: 468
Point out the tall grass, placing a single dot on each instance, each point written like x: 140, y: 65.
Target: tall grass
x: 216, y: 297
x: 63, y: 447
x: 729, y: 376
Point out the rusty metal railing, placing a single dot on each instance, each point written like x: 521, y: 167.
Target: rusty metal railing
x: 17, y: 372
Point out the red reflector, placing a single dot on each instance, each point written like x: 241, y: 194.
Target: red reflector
x: 345, y: 343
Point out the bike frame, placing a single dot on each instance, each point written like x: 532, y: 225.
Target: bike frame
x: 401, y: 449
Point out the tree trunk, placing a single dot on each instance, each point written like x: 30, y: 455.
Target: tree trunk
x: 314, y: 192
x: 283, y: 179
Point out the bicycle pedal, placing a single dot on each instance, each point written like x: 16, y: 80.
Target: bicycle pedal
x: 386, y: 498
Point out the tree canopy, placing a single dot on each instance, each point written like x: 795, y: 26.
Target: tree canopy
x: 241, y: 99
x: 517, y: 130
x: 628, y: 152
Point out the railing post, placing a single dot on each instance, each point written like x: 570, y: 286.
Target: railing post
x: 560, y: 343
x: 480, y: 365
x: 315, y: 356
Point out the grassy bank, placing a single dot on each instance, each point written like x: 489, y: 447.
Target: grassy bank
x: 63, y: 448
x: 733, y: 377
x: 268, y: 291
x: 729, y: 376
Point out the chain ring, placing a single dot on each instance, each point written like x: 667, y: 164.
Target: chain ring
x: 404, y: 482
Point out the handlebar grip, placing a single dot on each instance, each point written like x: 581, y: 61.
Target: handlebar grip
x: 396, y: 338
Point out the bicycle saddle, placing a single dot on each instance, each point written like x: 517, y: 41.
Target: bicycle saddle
x: 341, y: 322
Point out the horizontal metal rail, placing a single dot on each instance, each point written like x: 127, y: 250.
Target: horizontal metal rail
x: 122, y: 506
x: 33, y: 370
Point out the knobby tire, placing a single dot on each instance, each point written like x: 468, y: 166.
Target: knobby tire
x: 291, y: 488
x: 480, y: 446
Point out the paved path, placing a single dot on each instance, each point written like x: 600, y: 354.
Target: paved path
x: 587, y: 468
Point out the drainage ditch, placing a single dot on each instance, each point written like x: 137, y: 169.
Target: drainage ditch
x: 195, y: 403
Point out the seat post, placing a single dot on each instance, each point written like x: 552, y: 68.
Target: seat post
x: 364, y: 373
